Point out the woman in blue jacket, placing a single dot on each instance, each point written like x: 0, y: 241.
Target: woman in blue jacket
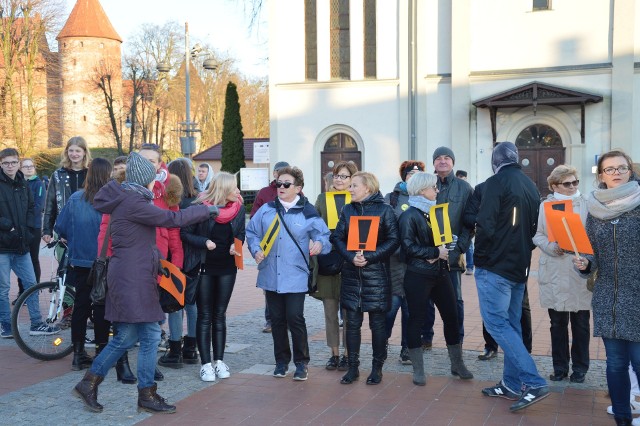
x: 282, y: 269
x: 79, y: 224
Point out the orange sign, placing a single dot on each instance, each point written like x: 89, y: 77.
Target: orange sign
x: 363, y: 233
x: 555, y: 208
x: 569, y: 232
x: 172, y: 280
x: 239, y: 258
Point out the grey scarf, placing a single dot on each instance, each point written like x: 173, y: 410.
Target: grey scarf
x: 610, y: 203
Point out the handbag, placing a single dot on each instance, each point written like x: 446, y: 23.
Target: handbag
x: 98, y: 273
x: 193, y: 281
x: 312, y: 285
x: 330, y: 264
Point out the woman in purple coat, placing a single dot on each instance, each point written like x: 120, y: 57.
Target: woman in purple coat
x: 132, y: 303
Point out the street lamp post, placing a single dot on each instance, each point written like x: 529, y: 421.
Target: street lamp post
x: 187, y: 142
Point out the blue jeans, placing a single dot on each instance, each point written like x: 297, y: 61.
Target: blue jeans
x: 22, y: 266
x: 501, y: 308
x: 398, y: 302
x: 469, y: 255
x: 427, y: 329
x: 619, y: 353
x: 126, y: 335
x: 175, y: 322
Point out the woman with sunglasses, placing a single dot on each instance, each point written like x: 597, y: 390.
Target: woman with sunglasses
x: 281, y: 236
x: 613, y: 226
x: 563, y: 292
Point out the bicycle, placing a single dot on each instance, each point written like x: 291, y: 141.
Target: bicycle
x: 55, y: 301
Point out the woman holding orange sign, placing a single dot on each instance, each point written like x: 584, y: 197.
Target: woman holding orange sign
x: 366, y: 236
x: 613, y: 226
x: 563, y: 292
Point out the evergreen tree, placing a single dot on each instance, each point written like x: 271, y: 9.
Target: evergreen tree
x: 232, y: 136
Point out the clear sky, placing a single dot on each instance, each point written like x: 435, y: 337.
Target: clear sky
x: 221, y: 23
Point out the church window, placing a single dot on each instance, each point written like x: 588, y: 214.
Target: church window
x: 541, y: 5
x: 340, y: 52
x: 370, y: 38
x: 310, y: 40
x: 538, y: 135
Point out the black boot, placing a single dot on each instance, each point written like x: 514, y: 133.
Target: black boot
x: 87, y: 390
x: 173, y: 357
x: 150, y: 401
x: 379, y: 343
x: 352, y: 373
x: 190, y: 351
x: 457, y: 364
x: 81, y: 358
x: 376, y: 372
x: 157, y: 375
x: 123, y: 371
x: 620, y: 421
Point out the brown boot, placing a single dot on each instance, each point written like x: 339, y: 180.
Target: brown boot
x: 87, y: 390
x: 150, y: 401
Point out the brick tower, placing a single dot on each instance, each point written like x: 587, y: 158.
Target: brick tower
x: 88, y: 46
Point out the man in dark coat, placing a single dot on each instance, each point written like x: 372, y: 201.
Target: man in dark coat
x: 505, y: 226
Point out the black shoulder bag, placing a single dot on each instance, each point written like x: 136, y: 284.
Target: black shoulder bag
x: 98, y: 273
x: 312, y: 286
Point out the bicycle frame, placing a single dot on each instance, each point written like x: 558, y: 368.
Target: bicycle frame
x: 55, y: 312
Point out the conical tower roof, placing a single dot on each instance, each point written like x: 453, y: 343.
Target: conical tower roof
x: 88, y: 19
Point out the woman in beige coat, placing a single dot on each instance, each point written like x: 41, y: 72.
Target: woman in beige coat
x: 563, y: 292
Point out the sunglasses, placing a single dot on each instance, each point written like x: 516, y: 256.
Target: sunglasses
x: 569, y: 184
x: 285, y: 184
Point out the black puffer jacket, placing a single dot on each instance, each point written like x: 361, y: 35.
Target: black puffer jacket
x: 16, y: 214
x: 367, y: 289
x: 416, y: 237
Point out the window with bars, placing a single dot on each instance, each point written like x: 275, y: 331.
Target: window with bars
x: 541, y: 5
x: 311, y: 40
x: 340, y: 53
x: 370, y: 38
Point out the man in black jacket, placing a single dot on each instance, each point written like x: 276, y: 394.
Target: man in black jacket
x: 16, y: 233
x: 505, y: 225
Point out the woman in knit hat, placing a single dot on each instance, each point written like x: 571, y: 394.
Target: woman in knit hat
x: 132, y: 303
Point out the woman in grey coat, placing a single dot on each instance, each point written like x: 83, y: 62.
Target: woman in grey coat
x: 613, y: 226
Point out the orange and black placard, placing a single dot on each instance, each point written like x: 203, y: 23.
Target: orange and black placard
x: 172, y: 280
x: 440, y: 224
x: 363, y: 233
x: 555, y: 208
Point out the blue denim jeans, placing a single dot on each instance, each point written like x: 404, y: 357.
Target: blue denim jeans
x: 398, y: 302
x: 22, y: 266
x: 175, y: 322
x: 427, y: 329
x: 126, y: 335
x: 469, y: 255
x: 619, y: 353
x: 501, y: 307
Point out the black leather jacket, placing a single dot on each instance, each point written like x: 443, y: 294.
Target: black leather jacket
x: 367, y: 289
x: 417, y: 242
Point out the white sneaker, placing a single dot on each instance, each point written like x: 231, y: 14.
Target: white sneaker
x: 221, y: 369
x: 207, y: 374
x: 635, y: 408
x: 636, y: 422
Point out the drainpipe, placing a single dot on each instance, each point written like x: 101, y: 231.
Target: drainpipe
x: 411, y: 78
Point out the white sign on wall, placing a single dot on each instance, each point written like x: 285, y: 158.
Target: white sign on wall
x: 253, y: 179
x: 261, y: 153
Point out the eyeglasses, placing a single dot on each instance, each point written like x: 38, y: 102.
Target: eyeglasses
x: 29, y: 167
x: 10, y: 163
x: 434, y: 187
x: 341, y: 177
x: 285, y: 184
x: 569, y: 184
x: 621, y: 170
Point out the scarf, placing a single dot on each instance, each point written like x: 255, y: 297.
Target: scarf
x: 560, y: 197
x: 228, y: 212
x: 421, y: 203
x: 287, y: 205
x: 610, y: 203
x: 130, y: 186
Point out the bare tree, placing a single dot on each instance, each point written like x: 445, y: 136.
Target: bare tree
x: 104, y: 75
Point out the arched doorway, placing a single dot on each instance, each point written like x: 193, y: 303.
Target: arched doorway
x: 541, y: 150
x: 338, y: 147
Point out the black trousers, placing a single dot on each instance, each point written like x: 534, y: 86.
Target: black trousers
x: 377, y: 325
x: 580, y: 332
x: 525, y: 323
x: 82, y: 308
x: 34, y: 252
x: 212, y: 299
x: 419, y: 288
x: 287, y: 312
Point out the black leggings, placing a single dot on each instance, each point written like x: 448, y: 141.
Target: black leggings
x: 418, y: 288
x: 82, y: 308
x: 212, y: 298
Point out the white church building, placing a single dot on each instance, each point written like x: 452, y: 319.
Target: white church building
x: 383, y: 81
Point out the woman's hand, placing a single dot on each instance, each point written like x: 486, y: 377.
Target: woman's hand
x: 46, y: 238
x: 581, y: 263
x: 210, y: 245
x: 232, y: 251
x: 444, y: 253
x: 315, y: 247
x: 359, y: 260
x: 259, y: 257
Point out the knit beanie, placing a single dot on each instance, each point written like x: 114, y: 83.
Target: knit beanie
x: 409, y: 166
x: 139, y: 170
x: 443, y: 150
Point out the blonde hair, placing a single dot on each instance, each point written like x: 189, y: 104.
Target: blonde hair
x: 222, y: 184
x: 369, y: 180
x: 80, y: 142
x: 560, y: 173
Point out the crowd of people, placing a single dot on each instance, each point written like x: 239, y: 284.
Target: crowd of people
x: 400, y: 263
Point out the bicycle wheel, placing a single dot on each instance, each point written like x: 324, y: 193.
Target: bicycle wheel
x: 44, y: 347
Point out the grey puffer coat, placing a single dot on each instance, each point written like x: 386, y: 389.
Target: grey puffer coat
x: 616, y: 294
x: 561, y: 289
x: 367, y: 289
